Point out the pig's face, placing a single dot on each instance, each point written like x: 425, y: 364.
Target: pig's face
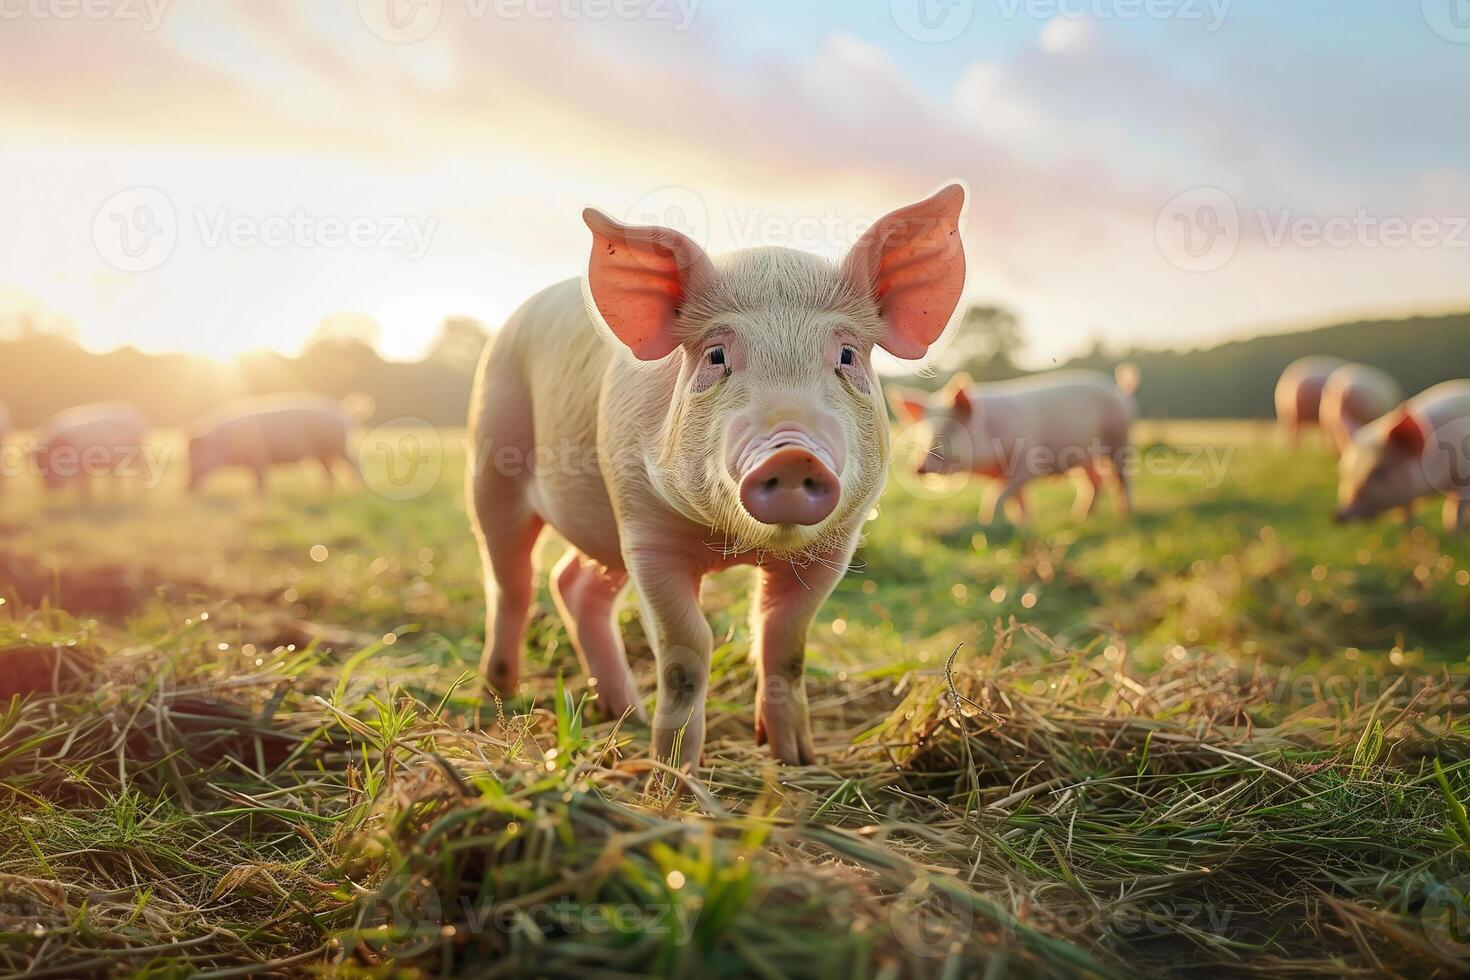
x: 1381, y: 468
x: 775, y: 436
x: 943, y: 425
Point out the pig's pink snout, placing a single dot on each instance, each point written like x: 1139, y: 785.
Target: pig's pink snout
x: 790, y: 486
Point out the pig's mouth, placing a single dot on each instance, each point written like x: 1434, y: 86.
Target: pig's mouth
x: 787, y: 479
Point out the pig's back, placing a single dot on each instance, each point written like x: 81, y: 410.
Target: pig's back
x: 534, y: 415
x: 106, y: 424
x: 1359, y: 392
x: 1299, y: 391
x: 1443, y: 404
x: 1062, y: 409
x: 279, y: 430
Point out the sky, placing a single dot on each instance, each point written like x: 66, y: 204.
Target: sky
x: 217, y: 177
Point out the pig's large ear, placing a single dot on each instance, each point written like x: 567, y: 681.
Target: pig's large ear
x: 913, y: 263
x: 638, y: 277
x: 908, y: 404
x: 1408, y: 433
x: 957, y: 393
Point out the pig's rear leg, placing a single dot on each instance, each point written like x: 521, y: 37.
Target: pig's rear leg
x: 586, y: 596
x: 1456, y: 514
x: 331, y: 479
x: 1122, y: 486
x: 507, y: 537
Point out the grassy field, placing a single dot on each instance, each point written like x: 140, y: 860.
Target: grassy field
x: 243, y: 736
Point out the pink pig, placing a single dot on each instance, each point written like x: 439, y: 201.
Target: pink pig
x: 1299, y: 393
x: 86, y: 441
x: 1014, y: 431
x: 685, y: 415
x: 258, y: 433
x: 1418, y: 450
x: 1353, y: 396
x: 4, y: 433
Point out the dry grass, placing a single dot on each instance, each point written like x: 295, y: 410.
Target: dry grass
x: 1036, y: 810
x: 1223, y: 737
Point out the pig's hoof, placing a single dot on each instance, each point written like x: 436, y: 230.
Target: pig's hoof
x: 628, y: 714
x: 500, y: 676
x: 790, y: 743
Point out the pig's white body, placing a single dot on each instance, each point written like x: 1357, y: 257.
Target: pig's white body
x: 1354, y: 395
x: 1048, y: 423
x: 89, y: 440
x: 1299, y: 393
x: 1421, y: 449
x: 4, y: 434
x: 259, y: 433
x: 673, y: 415
x: 1041, y: 425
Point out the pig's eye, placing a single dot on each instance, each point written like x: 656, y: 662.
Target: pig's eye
x: 712, y: 368
x: 850, y: 368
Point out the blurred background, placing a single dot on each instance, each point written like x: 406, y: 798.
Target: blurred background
x: 206, y: 198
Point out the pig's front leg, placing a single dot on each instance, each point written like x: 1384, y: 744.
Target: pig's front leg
x: 1012, y: 487
x: 787, y: 599
x: 668, y: 594
x: 1456, y: 514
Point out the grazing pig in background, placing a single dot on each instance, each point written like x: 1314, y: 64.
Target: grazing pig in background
x: 258, y: 433
x: 4, y: 433
x: 1421, y: 449
x: 1299, y: 393
x: 686, y: 415
x: 1353, y: 396
x: 89, y: 440
x: 1015, y: 431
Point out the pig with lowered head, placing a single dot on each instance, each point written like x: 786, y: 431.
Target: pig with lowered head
x: 675, y: 414
x: 105, y: 438
x: 274, y: 430
x: 1353, y: 396
x: 4, y: 432
x: 1420, y: 449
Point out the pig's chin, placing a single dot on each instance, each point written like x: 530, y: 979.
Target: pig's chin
x: 790, y: 541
